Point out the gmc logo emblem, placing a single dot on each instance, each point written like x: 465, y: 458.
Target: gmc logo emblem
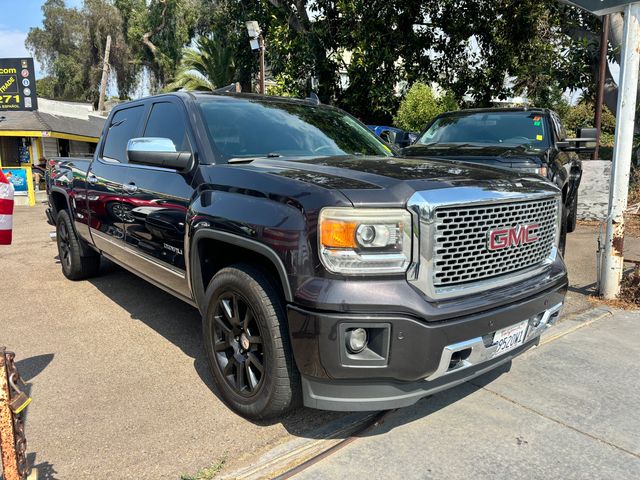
x: 512, y: 237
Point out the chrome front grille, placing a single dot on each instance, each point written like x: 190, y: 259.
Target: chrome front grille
x: 460, y: 252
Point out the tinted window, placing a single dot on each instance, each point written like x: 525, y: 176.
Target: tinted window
x: 253, y: 128
x: 124, y: 126
x: 166, y: 121
x: 489, y: 128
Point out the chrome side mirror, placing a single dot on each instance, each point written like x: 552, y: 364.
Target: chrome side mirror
x: 157, y: 152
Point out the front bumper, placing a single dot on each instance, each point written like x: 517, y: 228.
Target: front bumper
x: 413, y: 358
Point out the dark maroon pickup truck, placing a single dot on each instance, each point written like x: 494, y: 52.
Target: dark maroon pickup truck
x: 327, y: 271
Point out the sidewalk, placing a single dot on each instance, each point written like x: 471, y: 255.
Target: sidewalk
x: 567, y: 409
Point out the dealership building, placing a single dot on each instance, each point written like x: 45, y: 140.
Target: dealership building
x: 55, y: 129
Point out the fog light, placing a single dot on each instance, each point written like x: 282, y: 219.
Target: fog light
x: 356, y: 340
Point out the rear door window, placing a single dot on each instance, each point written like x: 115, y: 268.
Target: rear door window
x: 123, y: 127
x: 166, y: 121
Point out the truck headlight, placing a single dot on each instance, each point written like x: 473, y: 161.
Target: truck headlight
x: 542, y: 171
x: 364, y: 241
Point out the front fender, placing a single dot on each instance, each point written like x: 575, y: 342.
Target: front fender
x: 271, y: 228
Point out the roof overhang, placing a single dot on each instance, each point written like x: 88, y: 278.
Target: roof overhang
x: 45, y: 133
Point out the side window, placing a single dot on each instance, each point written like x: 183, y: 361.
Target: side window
x: 166, y: 121
x: 123, y: 127
x: 559, y: 128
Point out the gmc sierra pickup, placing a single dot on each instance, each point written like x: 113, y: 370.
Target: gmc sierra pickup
x: 325, y: 269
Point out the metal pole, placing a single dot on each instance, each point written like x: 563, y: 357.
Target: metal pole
x: 604, y: 43
x: 7, y: 435
x: 611, y: 273
x: 262, y: 74
x: 105, y: 75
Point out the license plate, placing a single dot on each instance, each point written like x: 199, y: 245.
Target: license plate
x: 509, y: 338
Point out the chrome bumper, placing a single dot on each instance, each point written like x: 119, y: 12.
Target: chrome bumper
x: 479, y: 350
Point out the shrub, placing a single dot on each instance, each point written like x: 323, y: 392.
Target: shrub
x: 420, y: 106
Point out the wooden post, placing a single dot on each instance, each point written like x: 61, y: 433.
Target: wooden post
x: 7, y: 435
x: 105, y: 75
x: 604, y: 42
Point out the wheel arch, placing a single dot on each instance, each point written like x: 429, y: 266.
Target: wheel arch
x: 229, y: 249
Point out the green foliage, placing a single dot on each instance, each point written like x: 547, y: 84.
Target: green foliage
x: 207, y: 473
x: 45, y: 86
x: 420, y: 106
x: 583, y: 114
x: 70, y: 45
x: 208, y: 66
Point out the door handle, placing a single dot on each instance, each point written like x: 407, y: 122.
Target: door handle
x: 92, y: 179
x: 130, y: 187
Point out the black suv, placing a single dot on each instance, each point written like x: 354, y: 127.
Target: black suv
x: 530, y: 140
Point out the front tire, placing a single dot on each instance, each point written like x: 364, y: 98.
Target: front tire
x: 75, y: 266
x: 572, y: 219
x: 247, y: 343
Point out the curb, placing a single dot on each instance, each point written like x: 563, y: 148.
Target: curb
x: 295, y: 452
x: 573, y: 323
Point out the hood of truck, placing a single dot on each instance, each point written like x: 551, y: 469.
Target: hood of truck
x: 392, y: 181
x: 490, y: 155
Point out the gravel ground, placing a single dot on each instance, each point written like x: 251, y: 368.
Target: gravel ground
x: 119, y: 378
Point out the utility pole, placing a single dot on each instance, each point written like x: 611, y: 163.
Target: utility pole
x: 612, y: 266
x: 105, y: 75
x: 604, y: 43
x: 262, y: 72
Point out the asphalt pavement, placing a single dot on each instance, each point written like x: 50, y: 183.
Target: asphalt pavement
x: 120, y: 383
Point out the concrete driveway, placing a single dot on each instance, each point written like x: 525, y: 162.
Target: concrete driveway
x: 568, y: 409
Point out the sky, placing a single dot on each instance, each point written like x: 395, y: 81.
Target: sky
x: 18, y: 16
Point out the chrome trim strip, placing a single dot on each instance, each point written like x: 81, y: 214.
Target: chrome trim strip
x: 140, y: 255
x: 424, y: 205
x: 481, y: 353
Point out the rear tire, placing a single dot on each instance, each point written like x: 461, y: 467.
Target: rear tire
x: 75, y: 266
x: 247, y: 343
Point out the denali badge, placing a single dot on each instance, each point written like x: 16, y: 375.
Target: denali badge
x: 511, y: 236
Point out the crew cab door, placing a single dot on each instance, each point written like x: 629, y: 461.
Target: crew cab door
x: 160, y: 198
x: 108, y: 214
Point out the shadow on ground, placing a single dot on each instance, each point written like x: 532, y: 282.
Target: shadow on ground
x: 180, y: 323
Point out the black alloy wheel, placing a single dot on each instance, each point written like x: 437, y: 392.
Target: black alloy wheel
x: 246, y: 340
x: 64, y: 247
x: 77, y: 262
x: 238, y: 344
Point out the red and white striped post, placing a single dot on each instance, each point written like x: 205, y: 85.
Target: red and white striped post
x: 6, y: 210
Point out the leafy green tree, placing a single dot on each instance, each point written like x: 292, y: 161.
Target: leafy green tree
x: 208, y: 66
x: 70, y: 45
x: 420, y: 106
x: 156, y: 32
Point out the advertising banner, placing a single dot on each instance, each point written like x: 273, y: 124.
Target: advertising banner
x: 18, y: 178
x: 17, y: 84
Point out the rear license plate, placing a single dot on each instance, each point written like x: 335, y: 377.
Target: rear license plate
x: 509, y: 338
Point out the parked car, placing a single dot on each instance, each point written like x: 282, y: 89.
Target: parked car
x: 393, y: 135
x: 530, y: 140
x: 326, y: 270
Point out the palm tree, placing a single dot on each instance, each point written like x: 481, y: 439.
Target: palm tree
x: 209, y: 66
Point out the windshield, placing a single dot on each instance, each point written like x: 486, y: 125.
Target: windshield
x: 244, y: 128
x: 489, y: 128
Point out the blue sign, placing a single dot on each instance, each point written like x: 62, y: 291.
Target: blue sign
x: 18, y: 178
